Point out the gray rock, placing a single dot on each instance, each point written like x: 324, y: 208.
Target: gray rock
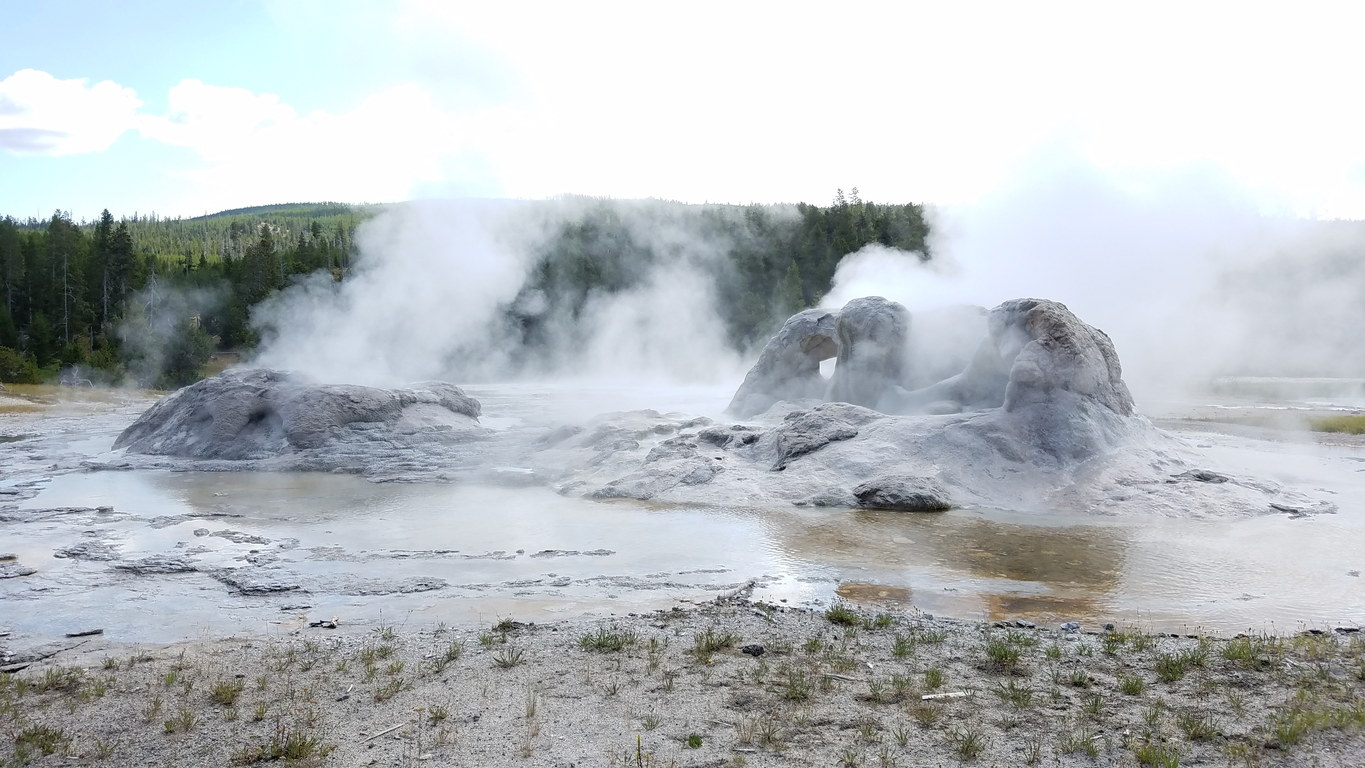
x: 238, y: 537
x: 804, y: 432
x: 406, y: 586
x: 788, y: 368
x: 13, y: 570
x: 873, y: 338
x: 1201, y: 475
x: 88, y: 550
x: 157, y: 564
x: 255, y: 581
x: 1053, y: 353
x: 903, y: 493
x: 260, y: 413
x: 730, y: 437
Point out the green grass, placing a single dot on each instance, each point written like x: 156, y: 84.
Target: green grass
x: 1002, y: 654
x: 1350, y: 425
x: 1157, y: 755
x: 606, y: 641
x: 967, y: 743
x: 291, y: 745
x: 42, y: 738
x: 225, y: 692
x: 1018, y: 697
x: 1197, y: 727
x: 706, y: 643
x: 842, y: 614
x: 508, y: 657
x: 1132, y: 685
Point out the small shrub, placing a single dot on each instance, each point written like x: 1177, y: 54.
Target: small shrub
x: 1197, y: 727
x: 508, y: 657
x: 225, y: 692
x: 842, y: 614
x: 1132, y: 685
x: 1157, y: 755
x: 1002, y: 654
x: 1014, y: 695
x: 42, y: 738
x: 967, y: 743
x: 606, y: 641
x: 706, y: 643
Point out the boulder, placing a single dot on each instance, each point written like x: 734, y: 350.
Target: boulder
x: 788, y: 368
x: 1053, y: 354
x: 259, y: 413
x: 873, y: 337
x: 1037, y: 357
x: 805, y: 432
x: 905, y: 493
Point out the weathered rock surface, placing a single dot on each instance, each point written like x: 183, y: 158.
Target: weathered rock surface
x: 803, y: 432
x: 159, y: 564
x: 1039, y: 417
x: 254, y: 414
x: 873, y: 337
x: 788, y: 368
x: 13, y: 570
x: 1057, y: 355
x: 903, y: 493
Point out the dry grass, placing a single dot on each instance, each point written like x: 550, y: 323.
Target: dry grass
x: 675, y: 688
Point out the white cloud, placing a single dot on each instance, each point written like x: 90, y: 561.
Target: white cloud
x: 912, y: 101
x: 728, y: 102
x: 42, y: 115
x: 255, y: 147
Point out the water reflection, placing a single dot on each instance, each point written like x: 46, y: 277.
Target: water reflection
x: 966, y: 562
x: 352, y: 547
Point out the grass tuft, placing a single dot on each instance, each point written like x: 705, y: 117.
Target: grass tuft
x: 842, y: 614
x: 605, y: 641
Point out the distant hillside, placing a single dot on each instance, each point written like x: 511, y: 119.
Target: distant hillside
x: 294, y: 211
x: 228, y: 233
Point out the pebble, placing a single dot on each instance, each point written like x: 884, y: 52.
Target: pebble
x: 753, y: 650
x: 1071, y: 626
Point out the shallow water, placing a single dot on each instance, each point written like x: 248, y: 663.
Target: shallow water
x: 423, y: 553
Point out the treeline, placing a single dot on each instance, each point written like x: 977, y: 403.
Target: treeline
x: 766, y: 261
x: 149, y: 299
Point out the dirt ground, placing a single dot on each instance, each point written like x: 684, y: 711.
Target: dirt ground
x: 729, y: 683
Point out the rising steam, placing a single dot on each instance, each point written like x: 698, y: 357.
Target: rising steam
x: 435, y: 281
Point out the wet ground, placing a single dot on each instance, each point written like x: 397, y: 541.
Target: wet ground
x: 153, y: 556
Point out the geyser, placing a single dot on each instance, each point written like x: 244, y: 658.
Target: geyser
x: 263, y: 414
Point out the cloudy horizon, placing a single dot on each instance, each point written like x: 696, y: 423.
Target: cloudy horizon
x: 150, y: 109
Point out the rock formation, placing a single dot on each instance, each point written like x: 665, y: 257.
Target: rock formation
x: 259, y: 413
x: 1041, y: 397
x: 1035, y: 354
x: 873, y: 336
x: 788, y: 368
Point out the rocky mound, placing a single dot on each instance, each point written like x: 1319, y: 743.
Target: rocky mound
x: 249, y: 414
x: 1041, y: 400
x: 788, y: 368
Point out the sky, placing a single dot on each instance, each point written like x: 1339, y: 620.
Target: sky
x: 188, y: 107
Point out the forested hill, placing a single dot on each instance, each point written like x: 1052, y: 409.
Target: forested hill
x: 149, y: 299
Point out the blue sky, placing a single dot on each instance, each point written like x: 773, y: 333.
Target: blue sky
x: 189, y: 107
